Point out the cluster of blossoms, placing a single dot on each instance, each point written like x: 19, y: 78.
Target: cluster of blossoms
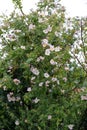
x: 47, y: 82
x: 34, y: 70
x: 11, y: 97
x: 40, y: 58
x: 23, y: 47
x: 51, y: 48
x: 9, y: 69
x: 11, y: 35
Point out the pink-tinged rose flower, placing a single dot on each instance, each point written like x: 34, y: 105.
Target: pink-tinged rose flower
x: 44, y: 42
x: 65, y: 79
x: 47, y: 83
x: 84, y: 97
x: 52, y: 62
x: 51, y: 47
x: 16, y: 81
x: 31, y: 26
x: 34, y: 70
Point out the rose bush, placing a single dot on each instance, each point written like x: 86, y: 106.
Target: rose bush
x: 40, y: 88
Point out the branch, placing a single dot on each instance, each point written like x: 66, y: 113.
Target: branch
x: 81, y: 24
x: 83, y: 67
x: 18, y: 4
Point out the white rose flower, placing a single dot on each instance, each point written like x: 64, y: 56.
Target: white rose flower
x: 17, y: 31
x: 58, y: 82
x: 40, y: 58
x: 29, y: 89
x: 57, y: 49
x: 36, y: 100
x: 65, y: 79
x: 46, y: 75
x: 40, y: 20
x: 8, y: 97
x: 54, y: 79
x: 41, y: 84
x: 23, y: 47
x: 16, y: 122
x: 49, y: 28
x: 49, y: 117
x: 31, y: 26
x: 45, y: 31
x: 45, y: 41
x: 18, y: 98
x: 56, y: 33
x: 47, y: 52
x: 70, y: 126
x: 66, y: 68
x: 52, y: 62
x: 33, y: 78
x: 4, y: 88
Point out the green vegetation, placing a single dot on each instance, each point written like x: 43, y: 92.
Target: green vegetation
x: 43, y: 81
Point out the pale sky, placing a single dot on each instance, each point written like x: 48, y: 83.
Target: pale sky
x: 73, y: 7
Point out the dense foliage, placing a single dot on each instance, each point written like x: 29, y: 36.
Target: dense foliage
x: 42, y: 80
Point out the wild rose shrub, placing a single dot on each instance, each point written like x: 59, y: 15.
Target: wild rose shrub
x: 40, y: 88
